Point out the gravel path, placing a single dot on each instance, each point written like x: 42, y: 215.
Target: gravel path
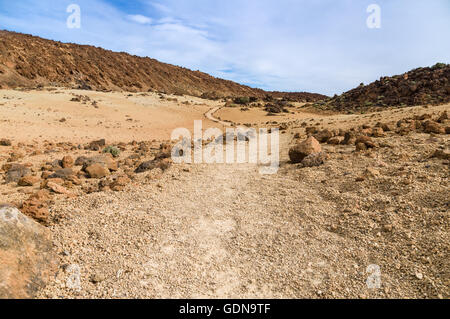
x: 206, y: 233
x: 210, y: 116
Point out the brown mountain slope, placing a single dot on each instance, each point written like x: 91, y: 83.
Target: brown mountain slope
x: 421, y: 86
x: 27, y: 60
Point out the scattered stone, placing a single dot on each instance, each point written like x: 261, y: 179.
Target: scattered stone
x: 377, y: 132
x: 97, y: 145
x: 97, y: 278
x: 80, y: 161
x: 16, y: 172
x: 323, y: 136
x: 314, y: 160
x: 42, y: 195
x: 305, y: 148
x: 58, y: 189
x: 64, y: 174
x: 443, y: 117
x: 163, y: 164
x: 119, y: 183
x: 105, y: 160
x: 28, y: 181
x: 96, y: 171
x: 361, y: 147
x: 15, y: 156
x: 36, y: 209
x: 67, y: 162
x: 5, y: 142
x: 311, y: 130
x: 165, y: 152
x: 335, y: 140
x: 433, y: 127
x: 46, y: 174
x: 349, y: 139
x: 366, y: 140
x: 387, y: 127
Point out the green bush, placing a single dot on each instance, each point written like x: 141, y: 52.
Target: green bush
x: 114, y: 151
x: 242, y: 100
x: 439, y: 66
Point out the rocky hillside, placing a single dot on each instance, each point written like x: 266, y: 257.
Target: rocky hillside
x: 421, y: 86
x: 29, y: 61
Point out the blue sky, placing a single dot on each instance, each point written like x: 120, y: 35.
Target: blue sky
x: 319, y: 46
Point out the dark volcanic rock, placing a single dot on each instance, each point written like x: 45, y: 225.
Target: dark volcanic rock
x: 421, y: 86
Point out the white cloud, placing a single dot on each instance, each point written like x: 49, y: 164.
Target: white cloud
x: 140, y: 18
x: 295, y: 45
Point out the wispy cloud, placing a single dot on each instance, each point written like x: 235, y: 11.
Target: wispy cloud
x: 140, y: 18
x: 321, y: 46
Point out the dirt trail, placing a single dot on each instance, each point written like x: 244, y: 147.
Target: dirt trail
x: 210, y: 116
x: 206, y: 233
x: 221, y: 237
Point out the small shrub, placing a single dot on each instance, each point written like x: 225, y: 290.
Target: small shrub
x: 242, y: 100
x: 114, y: 151
x: 439, y: 66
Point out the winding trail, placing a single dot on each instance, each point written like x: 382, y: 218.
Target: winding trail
x: 210, y: 116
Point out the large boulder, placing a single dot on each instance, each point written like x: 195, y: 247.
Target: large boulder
x: 27, y: 260
x: 305, y: 148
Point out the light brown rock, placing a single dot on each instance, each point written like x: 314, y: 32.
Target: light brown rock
x: 27, y: 260
x: 58, y: 189
x: 28, y: 181
x: 36, y: 209
x: 67, y: 162
x: 305, y: 148
x: 97, y: 171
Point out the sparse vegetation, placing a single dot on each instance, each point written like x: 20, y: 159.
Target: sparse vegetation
x: 243, y: 100
x: 114, y: 151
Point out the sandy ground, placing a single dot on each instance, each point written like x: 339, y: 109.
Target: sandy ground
x: 37, y: 115
x: 226, y: 231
